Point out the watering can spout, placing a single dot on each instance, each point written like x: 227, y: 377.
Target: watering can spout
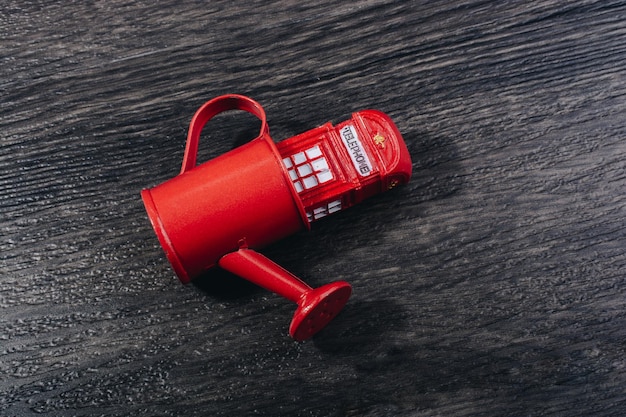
x: 316, y: 306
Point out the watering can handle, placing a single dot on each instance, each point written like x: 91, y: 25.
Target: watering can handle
x: 210, y: 109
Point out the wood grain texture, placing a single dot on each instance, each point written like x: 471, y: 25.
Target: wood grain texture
x: 493, y: 284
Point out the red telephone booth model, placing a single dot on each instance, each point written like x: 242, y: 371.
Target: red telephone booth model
x: 334, y: 167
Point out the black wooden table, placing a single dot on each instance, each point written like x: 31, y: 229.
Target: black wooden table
x: 494, y: 284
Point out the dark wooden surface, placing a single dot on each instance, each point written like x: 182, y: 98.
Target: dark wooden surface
x: 494, y: 284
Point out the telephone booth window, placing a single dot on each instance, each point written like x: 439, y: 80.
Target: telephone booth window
x: 324, y: 210
x: 308, y: 169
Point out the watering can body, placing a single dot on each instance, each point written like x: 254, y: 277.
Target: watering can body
x: 239, y: 198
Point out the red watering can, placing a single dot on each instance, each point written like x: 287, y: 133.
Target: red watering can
x: 219, y: 213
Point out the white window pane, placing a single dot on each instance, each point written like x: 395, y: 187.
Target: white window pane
x: 334, y: 204
x: 309, y: 182
x: 324, y: 176
x: 319, y: 164
x: 293, y: 175
x: 314, y: 152
x: 298, y: 186
x: 299, y: 158
x: 333, y: 209
x: 287, y: 162
x: 305, y: 170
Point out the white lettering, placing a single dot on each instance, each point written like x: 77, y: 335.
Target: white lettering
x: 355, y: 149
